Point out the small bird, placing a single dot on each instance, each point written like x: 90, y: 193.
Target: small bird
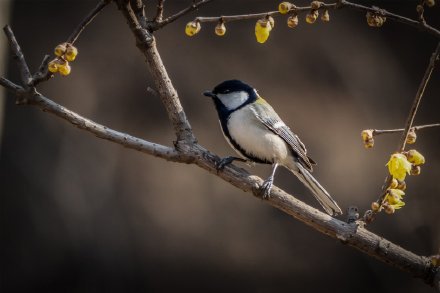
x: 256, y: 132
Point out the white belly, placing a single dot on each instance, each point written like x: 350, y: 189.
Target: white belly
x: 256, y: 139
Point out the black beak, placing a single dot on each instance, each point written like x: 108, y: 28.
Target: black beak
x: 209, y: 94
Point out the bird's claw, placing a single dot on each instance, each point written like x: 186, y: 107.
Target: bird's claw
x: 220, y: 165
x: 266, y: 187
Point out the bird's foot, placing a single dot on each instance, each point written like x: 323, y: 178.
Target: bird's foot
x: 266, y: 187
x: 220, y: 165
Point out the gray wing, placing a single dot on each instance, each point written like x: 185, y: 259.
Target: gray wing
x: 267, y: 115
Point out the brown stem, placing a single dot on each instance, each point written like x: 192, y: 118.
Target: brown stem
x: 159, y: 12
x: 415, y: 128
x: 25, y: 74
x: 88, y: 19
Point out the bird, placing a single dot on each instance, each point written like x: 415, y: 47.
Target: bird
x: 256, y: 132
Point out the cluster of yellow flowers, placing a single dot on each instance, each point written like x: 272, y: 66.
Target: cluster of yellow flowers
x: 399, y: 165
x: 65, y: 53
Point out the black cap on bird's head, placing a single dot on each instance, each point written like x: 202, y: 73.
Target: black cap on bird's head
x: 230, y: 86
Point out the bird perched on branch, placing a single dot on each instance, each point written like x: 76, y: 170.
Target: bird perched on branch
x: 256, y: 132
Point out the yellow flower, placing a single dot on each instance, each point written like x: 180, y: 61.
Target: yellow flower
x: 64, y: 68
x: 71, y: 53
x: 192, y: 28
x: 52, y: 66
x: 60, y: 49
x: 394, y: 198
x: 398, y: 166
x: 415, y: 157
x: 262, y: 30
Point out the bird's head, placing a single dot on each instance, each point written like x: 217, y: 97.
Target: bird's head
x: 232, y: 94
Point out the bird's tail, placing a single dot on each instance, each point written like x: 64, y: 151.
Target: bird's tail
x: 327, y: 202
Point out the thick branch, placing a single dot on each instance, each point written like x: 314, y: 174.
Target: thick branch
x: 168, y: 94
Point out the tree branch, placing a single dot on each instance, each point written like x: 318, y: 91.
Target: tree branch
x: 336, y: 5
x: 415, y: 128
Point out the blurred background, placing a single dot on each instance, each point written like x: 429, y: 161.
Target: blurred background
x: 79, y: 214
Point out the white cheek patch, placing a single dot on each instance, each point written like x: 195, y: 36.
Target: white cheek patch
x: 233, y: 100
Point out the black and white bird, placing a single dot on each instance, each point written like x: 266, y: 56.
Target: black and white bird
x: 256, y: 132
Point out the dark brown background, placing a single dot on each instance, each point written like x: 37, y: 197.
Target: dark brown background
x: 79, y: 214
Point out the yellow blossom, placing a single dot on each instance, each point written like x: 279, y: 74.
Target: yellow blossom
x: 71, y: 53
x: 292, y: 21
x: 398, y: 166
x: 262, y: 30
x: 415, y: 157
x: 394, y: 198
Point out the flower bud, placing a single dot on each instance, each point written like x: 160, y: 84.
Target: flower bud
x: 394, y: 183
x: 64, y: 69
x: 292, y: 21
x: 285, y: 7
x: 375, y: 206
x: 415, y: 157
x: 412, y: 136
x: 401, y: 185
x: 220, y: 29
x: 71, y: 53
x: 415, y: 170
x: 60, y: 49
x: 389, y: 209
x: 326, y: 16
x: 312, y: 16
x: 192, y: 28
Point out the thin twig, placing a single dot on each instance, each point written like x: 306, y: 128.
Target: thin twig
x: 88, y: 19
x: 339, y: 4
x: 415, y: 128
x: 159, y: 12
x: 10, y: 85
x: 26, y: 76
x: 138, y: 7
x: 179, y: 14
x: 418, y: 98
x: 228, y: 18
